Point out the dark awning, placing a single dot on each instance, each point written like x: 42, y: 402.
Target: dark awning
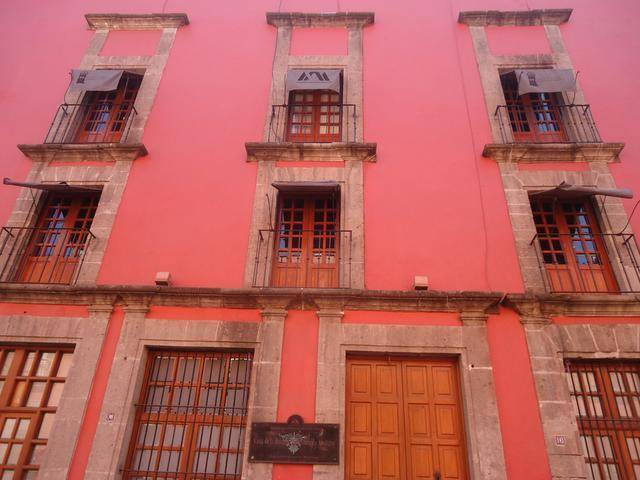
x: 95, y: 80
x: 566, y: 190
x: 324, y: 186
x: 53, y: 187
x: 545, y: 80
x: 313, y: 79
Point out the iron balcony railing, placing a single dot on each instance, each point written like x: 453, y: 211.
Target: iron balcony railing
x: 593, y: 263
x: 303, y: 259
x: 313, y: 123
x: 547, y: 124
x: 102, y: 122
x: 42, y: 255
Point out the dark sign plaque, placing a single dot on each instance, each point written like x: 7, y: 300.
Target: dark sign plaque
x: 294, y: 443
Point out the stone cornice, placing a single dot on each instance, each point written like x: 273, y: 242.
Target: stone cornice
x: 578, y: 305
x: 310, y: 152
x: 553, y: 152
x: 83, y: 152
x: 133, y: 21
x: 337, y: 19
x: 265, y: 299
x: 483, y: 18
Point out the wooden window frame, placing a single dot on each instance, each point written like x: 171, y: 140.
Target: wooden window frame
x: 15, y: 395
x: 533, y: 117
x: 573, y: 255
x: 308, y: 272
x: 191, y: 418
x: 315, y: 106
x: 607, y: 409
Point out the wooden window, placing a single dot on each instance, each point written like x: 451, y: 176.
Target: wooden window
x: 571, y: 246
x: 59, y: 241
x: 534, y: 117
x: 404, y: 420
x: 314, y: 116
x: 107, y: 114
x: 606, y: 397
x: 306, y: 252
x: 191, y: 417
x: 31, y: 384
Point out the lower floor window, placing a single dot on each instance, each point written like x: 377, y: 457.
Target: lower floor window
x: 606, y: 396
x: 191, y: 417
x: 31, y: 384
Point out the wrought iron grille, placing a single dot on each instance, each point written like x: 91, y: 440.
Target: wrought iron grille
x: 303, y: 258
x: 100, y: 122
x: 606, y: 398
x: 191, y: 418
x: 313, y: 123
x: 43, y: 255
x: 551, y: 124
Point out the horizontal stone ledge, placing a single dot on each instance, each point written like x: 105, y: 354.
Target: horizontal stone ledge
x: 484, y: 18
x: 83, y: 152
x: 335, y: 19
x: 547, y: 305
x: 254, y: 298
x: 310, y: 152
x: 553, y: 152
x: 135, y: 21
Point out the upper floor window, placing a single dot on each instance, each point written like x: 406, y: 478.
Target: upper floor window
x: 314, y: 116
x: 572, y: 247
x: 104, y: 111
x: 53, y: 250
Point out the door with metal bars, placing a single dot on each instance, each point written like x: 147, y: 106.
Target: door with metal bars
x: 606, y: 397
x: 191, y: 416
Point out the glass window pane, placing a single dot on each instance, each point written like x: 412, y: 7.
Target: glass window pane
x: 7, y: 429
x: 28, y: 363
x: 44, y: 366
x: 65, y: 365
x: 14, y: 453
x: 45, y: 426
x: 37, y: 451
x: 7, y: 363
x: 35, y: 394
x: 23, y: 426
x: 55, y: 394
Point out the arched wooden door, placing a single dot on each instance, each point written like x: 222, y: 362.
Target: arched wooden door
x: 404, y: 420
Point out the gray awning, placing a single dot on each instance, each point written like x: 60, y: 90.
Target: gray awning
x: 545, y: 80
x: 307, y: 187
x: 566, y: 190
x: 313, y: 79
x: 53, y: 187
x: 95, y: 80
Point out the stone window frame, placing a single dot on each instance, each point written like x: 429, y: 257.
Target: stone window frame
x: 51, y: 162
x: 139, y: 334
x: 82, y: 334
x: 610, y: 213
x: 351, y: 64
x: 468, y: 342
x: 549, y: 345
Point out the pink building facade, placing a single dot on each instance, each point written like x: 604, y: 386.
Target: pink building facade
x: 407, y: 225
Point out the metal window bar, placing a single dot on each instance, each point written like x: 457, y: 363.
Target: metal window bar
x: 620, y: 248
x: 111, y: 125
x: 43, y: 255
x: 280, y: 121
x: 341, y: 255
x: 606, y: 398
x: 191, y: 421
x: 576, y: 119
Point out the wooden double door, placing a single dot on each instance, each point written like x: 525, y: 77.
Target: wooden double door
x: 404, y: 419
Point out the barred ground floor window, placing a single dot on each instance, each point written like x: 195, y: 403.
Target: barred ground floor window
x: 606, y: 396
x: 31, y: 384
x: 191, y: 416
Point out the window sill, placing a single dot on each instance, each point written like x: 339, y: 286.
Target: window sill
x: 553, y: 152
x: 83, y: 152
x: 310, y: 152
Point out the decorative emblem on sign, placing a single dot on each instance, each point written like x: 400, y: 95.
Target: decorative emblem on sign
x: 293, y: 441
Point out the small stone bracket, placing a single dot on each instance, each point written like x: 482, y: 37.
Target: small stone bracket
x: 327, y: 20
x: 83, y: 152
x: 484, y: 18
x: 553, y: 152
x: 144, y: 21
x: 310, y: 152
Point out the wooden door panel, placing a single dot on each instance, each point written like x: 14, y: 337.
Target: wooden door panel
x: 389, y: 466
x: 416, y: 430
